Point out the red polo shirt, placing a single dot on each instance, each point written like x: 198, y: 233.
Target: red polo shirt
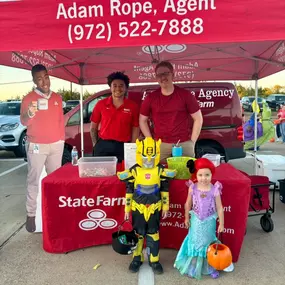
x: 47, y: 126
x: 116, y: 123
x: 171, y: 114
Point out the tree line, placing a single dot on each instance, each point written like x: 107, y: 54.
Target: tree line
x: 66, y: 95
x: 262, y: 92
x: 242, y: 92
x: 72, y: 95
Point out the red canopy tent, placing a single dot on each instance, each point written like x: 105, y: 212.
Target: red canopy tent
x: 233, y: 61
x: 83, y: 42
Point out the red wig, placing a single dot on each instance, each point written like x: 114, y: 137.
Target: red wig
x: 198, y: 164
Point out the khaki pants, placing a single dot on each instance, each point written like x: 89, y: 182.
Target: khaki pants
x: 166, y: 149
x: 38, y: 156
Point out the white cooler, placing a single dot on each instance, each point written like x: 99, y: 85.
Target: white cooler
x: 273, y: 166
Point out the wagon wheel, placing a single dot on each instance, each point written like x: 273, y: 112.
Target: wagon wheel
x: 266, y: 223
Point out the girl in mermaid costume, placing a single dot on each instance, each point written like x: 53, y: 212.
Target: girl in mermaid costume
x: 204, y: 205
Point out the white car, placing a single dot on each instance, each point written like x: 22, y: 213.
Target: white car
x: 12, y: 133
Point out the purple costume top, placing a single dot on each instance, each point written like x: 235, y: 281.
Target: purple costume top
x: 204, y: 203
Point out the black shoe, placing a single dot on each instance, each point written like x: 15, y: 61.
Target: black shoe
x: 156, y: 267
x: 135, y: 266
x: 31, y: 224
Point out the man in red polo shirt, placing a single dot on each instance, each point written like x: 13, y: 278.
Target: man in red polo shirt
x: 173, y: 110
x: 114, y: 120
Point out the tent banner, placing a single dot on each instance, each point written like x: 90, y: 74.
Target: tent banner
x: 65, y: 24
x: 27, y: 59
x: 233, y: 61
x: 50, y: 59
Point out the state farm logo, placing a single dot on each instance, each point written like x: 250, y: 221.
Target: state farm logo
x: 97, y: 218
x: 177, y: 48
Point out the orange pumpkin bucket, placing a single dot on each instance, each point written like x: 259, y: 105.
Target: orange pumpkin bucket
x: 219, y: 256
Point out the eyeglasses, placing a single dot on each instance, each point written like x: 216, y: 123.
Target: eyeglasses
x: 164, y: 74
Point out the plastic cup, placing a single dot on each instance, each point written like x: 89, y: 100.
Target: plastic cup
x: 177, y: 151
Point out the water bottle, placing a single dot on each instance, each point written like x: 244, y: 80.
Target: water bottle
x: 74, y: 156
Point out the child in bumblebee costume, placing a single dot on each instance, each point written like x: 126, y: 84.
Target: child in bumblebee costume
x: 147, y: 194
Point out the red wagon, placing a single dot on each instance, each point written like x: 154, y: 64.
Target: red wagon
x: 260, y: 200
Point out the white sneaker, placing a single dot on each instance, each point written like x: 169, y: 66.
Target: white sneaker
x: 230, y: 268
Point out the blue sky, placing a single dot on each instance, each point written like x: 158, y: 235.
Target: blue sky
x: 10, y: 85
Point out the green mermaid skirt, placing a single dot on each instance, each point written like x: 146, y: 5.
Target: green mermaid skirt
x: 191, y: 259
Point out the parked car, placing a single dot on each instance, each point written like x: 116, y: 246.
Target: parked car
x: 69, y: 105
x: 72, y: 103
x: 12, y: 132
x: 246, y: 103
x: 67, y: 109
x: 274, y: 101
x: 222, y: 131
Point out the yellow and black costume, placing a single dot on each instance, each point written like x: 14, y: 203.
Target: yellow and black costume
x: 147, y: 194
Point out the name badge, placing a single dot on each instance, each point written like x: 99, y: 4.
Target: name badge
x: 36, y: 148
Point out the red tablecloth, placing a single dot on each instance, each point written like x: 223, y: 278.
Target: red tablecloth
x: 82, y: 212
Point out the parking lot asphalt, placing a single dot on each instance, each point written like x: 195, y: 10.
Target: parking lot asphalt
x: 23, y: 261
x: 13, y: 174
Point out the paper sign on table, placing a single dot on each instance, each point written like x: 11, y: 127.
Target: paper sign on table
x: 130, y: 154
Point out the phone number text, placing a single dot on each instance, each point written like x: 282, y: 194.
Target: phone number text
x: 175, y: 215
x: 29, y: 60
x: 134, y: 29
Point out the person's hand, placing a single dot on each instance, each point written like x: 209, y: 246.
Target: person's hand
x: 193, y: 145
x: 187, y: 223
x: 32, y: 108
x: 220, y: 228
x: 127, y: 216
x: 164, y: 214
x: 141, y: 137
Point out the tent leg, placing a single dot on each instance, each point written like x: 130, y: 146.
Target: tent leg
x: 255, y: 127
x: 81, y: 122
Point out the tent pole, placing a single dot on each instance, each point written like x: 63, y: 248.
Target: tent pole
x: 255, y: 78
x: 255, y: 127
x: 81, y: 82
x: 81, y: 122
